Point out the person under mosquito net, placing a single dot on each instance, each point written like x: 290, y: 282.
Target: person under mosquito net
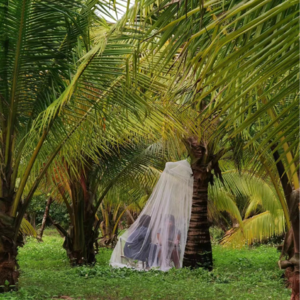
x: 158, y: 237
x: 168, y: 244
x: 137, y: 245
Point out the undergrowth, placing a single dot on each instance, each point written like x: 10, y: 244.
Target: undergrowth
x: 238, y: 274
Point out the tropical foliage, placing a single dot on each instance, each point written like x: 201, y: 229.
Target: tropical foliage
x: 58, y: 96
x: 255, y: 209
x: 90, y: 112
x: 124, y: 173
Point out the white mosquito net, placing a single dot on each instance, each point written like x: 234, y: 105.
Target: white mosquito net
x: 158, y: 237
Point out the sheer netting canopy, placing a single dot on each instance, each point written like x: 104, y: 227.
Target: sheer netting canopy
x: 158, y: 237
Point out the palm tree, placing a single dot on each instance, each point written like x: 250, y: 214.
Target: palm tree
x: 234, y: 60
x: 198, y: 251
x: 36, y: 49
x: 57, y: 94
x: 125, y: 169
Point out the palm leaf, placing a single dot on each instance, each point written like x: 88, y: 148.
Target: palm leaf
x: 256, y: 229
x: 26, y: 228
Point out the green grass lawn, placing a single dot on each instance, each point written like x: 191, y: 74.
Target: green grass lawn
x: 238, y: 274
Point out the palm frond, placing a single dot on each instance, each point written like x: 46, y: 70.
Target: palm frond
x: 222, y: 200
x: 240, y: 65
x: 255, y: 229
x: 26, y: 228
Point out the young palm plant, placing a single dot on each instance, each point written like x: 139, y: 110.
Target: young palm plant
x: 258, y: 204
x: 117, y: 203
x: 90, y: 188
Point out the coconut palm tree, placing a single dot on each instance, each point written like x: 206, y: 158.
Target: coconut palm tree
x: 234, y: 60
x: 37, y: 42
x: 97, y: 185
x: 204, y: 160
x: 58, y: 91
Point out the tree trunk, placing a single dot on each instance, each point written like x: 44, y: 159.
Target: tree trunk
x: 198, y: 251
x: 108, y: 239
x: 292, y: 265
x: 290, y: 248
x: 32, y: 217
x: 86, y: 253
x: 8, y: 245
x: 9, y: 273
x: 129, y: 215
x: 46, y: 214
x: 8, y: 265
x: 81, y: 247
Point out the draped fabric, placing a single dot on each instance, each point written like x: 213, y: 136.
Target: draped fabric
x: 158, y: 237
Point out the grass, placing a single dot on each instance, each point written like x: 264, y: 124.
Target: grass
x: 238, y: 274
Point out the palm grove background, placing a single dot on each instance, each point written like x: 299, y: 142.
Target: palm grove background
x: 91, y: 111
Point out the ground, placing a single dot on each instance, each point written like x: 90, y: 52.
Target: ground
x: 238, y: 274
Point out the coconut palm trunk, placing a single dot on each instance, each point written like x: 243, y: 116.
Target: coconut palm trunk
x: 10, y: 239
x: 81, y: 237
x: 8, y: 254
x: 198, y: 251
x: 80, y: 243
x: 290, y: 248
x: 8, y: 265
x: 80, y: 240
